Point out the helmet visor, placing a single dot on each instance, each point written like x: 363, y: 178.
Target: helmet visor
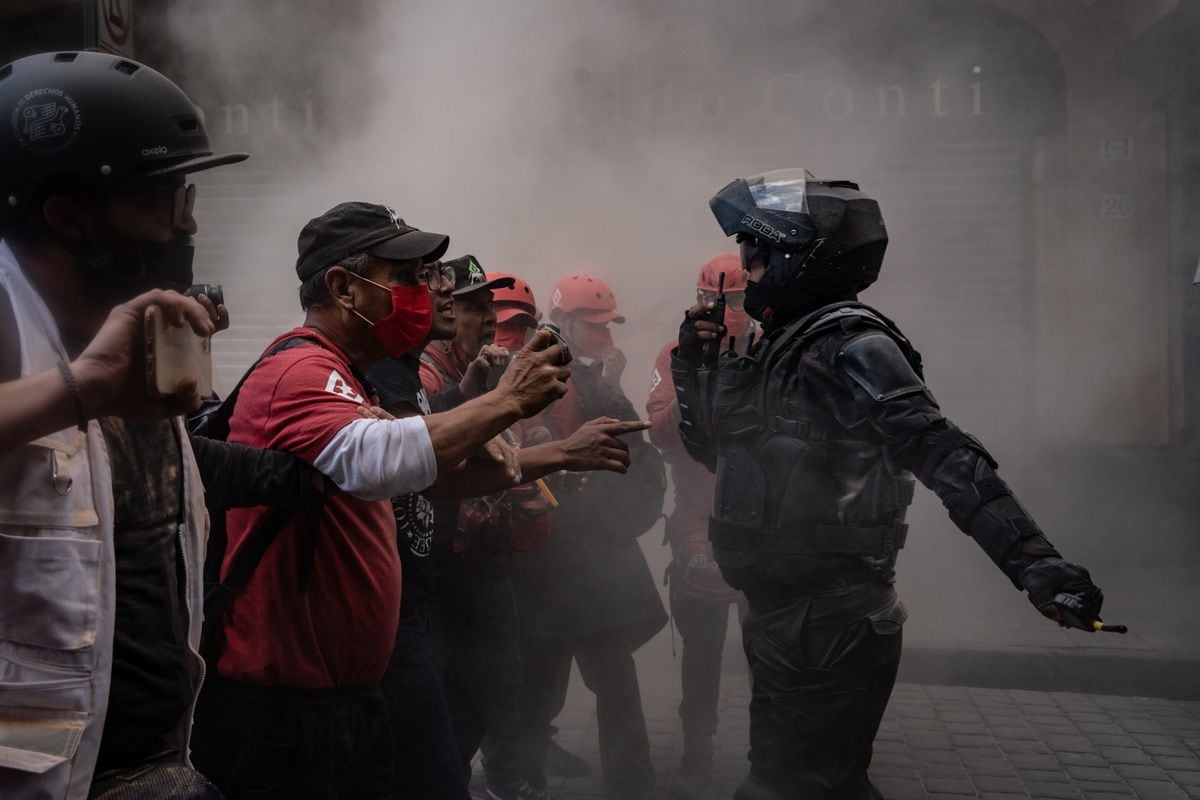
x: 782, y: 190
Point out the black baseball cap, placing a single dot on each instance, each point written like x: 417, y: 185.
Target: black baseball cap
x: 470, y: 277
x: 350, y: 228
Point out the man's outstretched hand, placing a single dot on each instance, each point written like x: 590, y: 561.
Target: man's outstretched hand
x: 597, y: 446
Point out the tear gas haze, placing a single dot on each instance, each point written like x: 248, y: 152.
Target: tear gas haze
x: 1005, y: 142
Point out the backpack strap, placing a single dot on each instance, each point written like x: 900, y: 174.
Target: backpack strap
x: 212, y: 420
x: 218, y: 595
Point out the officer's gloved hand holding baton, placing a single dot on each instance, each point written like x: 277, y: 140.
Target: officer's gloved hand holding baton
x: 1064, y: 592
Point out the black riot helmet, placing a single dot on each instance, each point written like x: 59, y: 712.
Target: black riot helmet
x: 816, y: 236
x: 95, y: 117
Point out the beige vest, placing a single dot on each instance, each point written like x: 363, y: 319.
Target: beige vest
x: 57, y: 586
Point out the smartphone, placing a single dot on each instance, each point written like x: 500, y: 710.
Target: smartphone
x: 173, y: 354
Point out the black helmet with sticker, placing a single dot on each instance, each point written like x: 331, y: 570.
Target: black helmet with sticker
x: 814, y: 235
x: 95, y: 117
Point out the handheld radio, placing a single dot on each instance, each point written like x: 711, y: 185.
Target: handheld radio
x: 712, y: 348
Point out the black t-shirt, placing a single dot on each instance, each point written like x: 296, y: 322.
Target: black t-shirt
x: 151, y: 688
x: 398, y: 383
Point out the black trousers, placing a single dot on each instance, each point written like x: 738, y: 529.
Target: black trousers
x: 702, y: 623
x: 426, y: 759
x: 606, y: 663
x: 822, y: 676
x: 261, y: 743
x: 475, y: 634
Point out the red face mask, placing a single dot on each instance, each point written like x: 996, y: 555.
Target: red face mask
x: 406, y: 327
x: 591, y: 339
x: 512, y: 335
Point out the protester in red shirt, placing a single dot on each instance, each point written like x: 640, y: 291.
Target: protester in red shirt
x: 699, y: 596
x: 293, y: 709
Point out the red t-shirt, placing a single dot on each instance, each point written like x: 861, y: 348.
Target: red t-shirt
x: 342, y: 630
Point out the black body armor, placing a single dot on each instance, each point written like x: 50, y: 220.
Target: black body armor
x: 815, y: 436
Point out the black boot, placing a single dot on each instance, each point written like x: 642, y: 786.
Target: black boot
x: 694, y: 778
x: 565, y: 764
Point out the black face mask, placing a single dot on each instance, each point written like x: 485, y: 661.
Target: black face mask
x: 755, y: 302
x: 149, y: 265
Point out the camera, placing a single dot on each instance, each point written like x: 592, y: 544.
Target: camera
x: 566, y: 351
x: 211, y: 290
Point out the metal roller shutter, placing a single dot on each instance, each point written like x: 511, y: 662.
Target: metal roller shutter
x: 956, y: 276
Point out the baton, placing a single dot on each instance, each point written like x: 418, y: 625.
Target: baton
x: 1078, y: 614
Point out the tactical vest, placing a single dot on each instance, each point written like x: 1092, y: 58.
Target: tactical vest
x: 57, y: 583
x: 792, y: 481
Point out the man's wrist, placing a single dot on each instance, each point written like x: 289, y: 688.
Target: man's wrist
x: 73, y: 395
x: 89, y: 388
x: 687, y: 353
x: 510, y: 408
x: 468, y: 388
x: 562, y: 457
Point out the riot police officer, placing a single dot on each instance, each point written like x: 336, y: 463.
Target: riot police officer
x: 815, y: 436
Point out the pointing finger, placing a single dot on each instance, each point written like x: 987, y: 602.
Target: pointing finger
x: 622, y: 428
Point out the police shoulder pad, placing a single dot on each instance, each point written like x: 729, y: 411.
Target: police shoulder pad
x: 875, y: 361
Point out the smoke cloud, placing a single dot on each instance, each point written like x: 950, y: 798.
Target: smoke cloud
x: 549, y: 137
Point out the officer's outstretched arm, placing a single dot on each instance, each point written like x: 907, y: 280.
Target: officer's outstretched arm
x: 891, y: 397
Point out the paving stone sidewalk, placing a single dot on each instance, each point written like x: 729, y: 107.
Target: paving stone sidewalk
x: 950, y: 742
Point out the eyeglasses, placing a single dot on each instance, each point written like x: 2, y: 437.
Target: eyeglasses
x: 435, y: 277
x: 733, y: 300
x: 183, y: 198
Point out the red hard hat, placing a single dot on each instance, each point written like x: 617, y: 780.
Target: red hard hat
x: 586, y: 296
x: 731, y: 265
x: 515, y: 300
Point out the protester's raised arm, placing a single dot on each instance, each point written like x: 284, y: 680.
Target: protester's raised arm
x: 108, y: 378
x: 534, y: 379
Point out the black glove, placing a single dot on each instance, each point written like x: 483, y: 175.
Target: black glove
x: 691, y: 346
x: 1047, y: 577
